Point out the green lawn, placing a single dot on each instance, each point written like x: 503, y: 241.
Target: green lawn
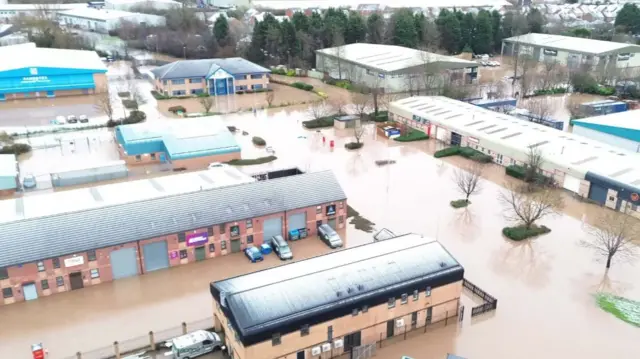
x: 623, y: 308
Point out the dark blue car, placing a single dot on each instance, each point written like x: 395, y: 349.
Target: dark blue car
x: 253, y: 254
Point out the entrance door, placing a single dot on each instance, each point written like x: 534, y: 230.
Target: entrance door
x: 414, y: 320
x: 221, y: 87
x: 332, y: 223
x: 272, y: 227
x: 456, y: 139
x: 352, y: 341
x: 2, y: 97
x: 51, y: 94
x: 201, y: 254
x: 300, y: 355
x: 429, y: 314
x: 390, y: 324
x: 163, y: 158
x: 235, y: 246
x: 75, y: 279
x: 30, y: 291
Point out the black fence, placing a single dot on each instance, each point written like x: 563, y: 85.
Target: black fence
x: 490, y: 303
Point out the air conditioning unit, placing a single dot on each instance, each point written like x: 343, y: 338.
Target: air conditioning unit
x: 399, y: 323
x: 338, y: 343
x: 326, y: 347
x: 316, y: 351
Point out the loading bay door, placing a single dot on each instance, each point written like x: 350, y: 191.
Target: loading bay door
x: 124, y: 263
x: 156, y: 256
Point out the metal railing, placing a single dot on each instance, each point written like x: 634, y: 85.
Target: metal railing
x: 490, y: 302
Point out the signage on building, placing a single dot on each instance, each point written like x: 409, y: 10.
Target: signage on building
x: 381, y: 76
x: 34, y: 79
x: 38, y: 351
x: 196, y: 239
x: 74, y: 261
x: 420, y: 119
x: 331, y: 210
x: 473, y: 140
x: 635, y: 197
x: 174, y: 254
x: 549, y: 52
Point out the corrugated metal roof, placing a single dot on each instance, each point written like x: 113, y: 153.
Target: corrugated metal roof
x: 28, y: 55
x: 38, y: 238
x: 264, y: 302
x: 203, y: 68
x: 573, y: 44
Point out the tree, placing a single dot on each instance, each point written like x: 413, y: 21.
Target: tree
x: 404, y: 29
x: 468, y: 180
x: 356, y: 28
x: 206, y: 102
x: 536, y: 20
x: 613, y: 234
x: 496, y: 30
x: 375, y: 29
x: 449, y: 29
x: 319, y: 110
x: 269, y: 97
x: 221, y: 30
x: 628, y: 19
x: 541, y: 108
x: 300, y: 21
x: 533, y: 164
x: 290, y: 47
x: 483, y: 39
x: 338, y: 41
x: 468, y: 30
x: 360, y: 104
x: 528, y: 71
x: 359, y: 129
x: 103, y: 102
x: 526, y: 208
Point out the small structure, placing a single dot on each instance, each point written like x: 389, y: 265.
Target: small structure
x: 88, y: 174
x: 8, y: 174
x: 348, y: 121
x: 620, y: 129
x: 604, y: 107
x: 104, y: 20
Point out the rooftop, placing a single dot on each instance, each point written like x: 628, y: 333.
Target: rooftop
x: 28, y: 55
x: 30, y: 7
x: 389, y: 58
x: 75, y: 221
x: 353, y: 4
x: 574, y: 44
x: 97, y: 14
x: 8, y: 166
x: 311, y: 290
x: 622, y: 124
x: 506, y: 134
x: 206, y: 67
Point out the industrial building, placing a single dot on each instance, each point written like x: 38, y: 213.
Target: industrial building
x: 8, y: 174
x: 11, y: 11
x: 68, y: 240
x: 191, y: 143
x: 104, y: 20
x: 573, y: 51
x: 392, y: 68
x: 27, y: 71
x: 215, y: 77
x: 128, y: 5
x: 603, y: 173
x: 620, y: 129
x: 325, y: 306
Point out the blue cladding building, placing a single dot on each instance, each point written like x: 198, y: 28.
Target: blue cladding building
x: 30, y: 72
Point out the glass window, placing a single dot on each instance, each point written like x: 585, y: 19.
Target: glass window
x: 240, y: 77
x: 223, y: 227
x: 183, y: 253
x: 178, y: 82
x: 91, y: 255
x: 404, y: 298
x: 60, y: 281
x: 330, y: 333
x: 153, y: 156
x: 164, y: 82
x: 304, y: 330
x: 250, y: 238
x: 210, y: 231
x: 7, y: 293
x: 256, y: 76
x: 275, y: 340
x: 365, y: 308
x: 56, y: 262
x: 416, y: 295
x: 391, y: 303
x: 4, y: 274
x: 95, y: 273
x: 181, y: 237
x: 354, y: 312
x: 40, y: 266
x: 195, y: 81
x: 428, y: 292
x: 45, y: 284
x: 249, y: 223
x: 212, y: 247
x: 223, y: 244
x: 234, y: 231
x: 318, y: 209
x: 138, y: 158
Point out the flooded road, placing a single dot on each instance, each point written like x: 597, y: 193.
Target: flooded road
x: 544, y: 287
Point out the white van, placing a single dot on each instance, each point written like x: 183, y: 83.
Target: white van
x: 194, y: 344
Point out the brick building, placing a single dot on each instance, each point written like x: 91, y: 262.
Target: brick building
x: 72, y: 239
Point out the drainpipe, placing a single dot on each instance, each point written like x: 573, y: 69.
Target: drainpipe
x: 140, y: 258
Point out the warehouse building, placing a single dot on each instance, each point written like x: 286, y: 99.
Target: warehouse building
x: 191, y: 143
x: 324, y: 306
x: 620, y: 129
x: 104, y: 20
x: 8, y: 175
x: 392, y: 68
x: 603, y: 173
x: 215, y: 77
x: 73, y: 239
x: 573, y: 51
x: 128, y: 5
x: 10, y: 11
x: 27, y: 71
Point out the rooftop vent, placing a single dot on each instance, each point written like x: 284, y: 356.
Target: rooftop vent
x: 350, y: 290
x: 339, y: 294
x: 360, y: 287
x: 443, y: 264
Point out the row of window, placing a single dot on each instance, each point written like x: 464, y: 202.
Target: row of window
x: 199, y: 80
x: 91, y: 256
x: 8, y: 292
x: 404, y: 298
x: 179, y: 93
x: 234, y: 231
x: 244, y: 77
x: 212, y: 247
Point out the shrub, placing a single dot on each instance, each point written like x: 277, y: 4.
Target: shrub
x: 521, y: 232
x: 232, y: 129
x: 130, y: 104
x: 158, y: 96
x: 475, y: 155
x: 291, y: 72
x: 344, y: 84
x: 413, y: 135
x: 459, y: 203
x: 318, y: 123
x: 353, y: 145
x: 551, y: 91
x: 135, y: 117
x: 258, y: 141
x: 302, y: 86
x: 124, y: 94
x: 252, y: 161
x: 446, y: 152
x: 176, y: 109
x: 16, y: 149
x: 204, y: 94
x: 279, y: 71
x: 520, y: 172
x: 248, y: 91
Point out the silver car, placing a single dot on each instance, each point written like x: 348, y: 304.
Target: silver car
x: 281, y: 248
x: 194, y: 344
x: 330, y: 236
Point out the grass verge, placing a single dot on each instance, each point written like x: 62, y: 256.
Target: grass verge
x: 252, y: 161
x: 459, y: 203
x: 519, y: 233
x: 358, y: 221
x: 625, y: 309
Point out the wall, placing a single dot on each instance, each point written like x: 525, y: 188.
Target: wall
x: 203, y: 162
x: 620, y: 142
x: 170, y: 87
x: 248, y: 81
x: 36, y: 81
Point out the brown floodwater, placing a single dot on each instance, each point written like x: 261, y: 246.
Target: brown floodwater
x: 544, y: 287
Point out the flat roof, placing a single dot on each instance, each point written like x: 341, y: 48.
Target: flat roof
x: 34, y: 7
x: 8, y: 166
x: 353, y: 4
x: 389, y: 58
x: 314, y: 290
x: 622, y: 124
x: 28, y: 55
x: 573, y: 44
x: 43, y: 226
x: 511, y: 136
x: 97, y: 14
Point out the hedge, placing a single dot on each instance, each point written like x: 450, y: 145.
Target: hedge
x: 124, y: 94
x: 521, y: 232
x: 252, y: 161
x: 158, y: 96
x: 459, y: 203
x: 134, y: 117
x: 258, y: 141
x: 551, y: 91
x: 353, y: 145
x: 15, y: 149
x: 520, y: 172
x: 302, y: 86
x: 176, y: 109
x: 279, y: 71
x: 413, y: 135
x: 319, y: 123
x: 466, y: 152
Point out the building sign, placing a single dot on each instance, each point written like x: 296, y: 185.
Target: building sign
x: 549, y: 52
x: 635, y: 197
x: 381, y: 76
x: 473, y: 140
x: 196, y: 239
x: 34, y: 79
x: 33, y: 71
x: 420, y: 119
x: 331, y: 210
x: 174, y: 254
x: 38, y: 351
x: 74, y: 261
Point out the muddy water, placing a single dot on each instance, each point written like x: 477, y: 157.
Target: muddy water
x: 544, y: 287
x: 559, y: 105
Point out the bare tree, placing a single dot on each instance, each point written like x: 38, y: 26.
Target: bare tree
x: 339, y: 105
x: 338, y: 41
x: 206, y: 102
x: 103, y: 102
x: 359, y: 129
x: 528, y: 72
x: 533, y: 166
x: 550, y: 75
x: 468, y: 180
x: 318, y: 110
x: 360, y: 104
x: 541, y: 108
x: 612, y: 235
x: 527, y: 208
x: 269, y: 97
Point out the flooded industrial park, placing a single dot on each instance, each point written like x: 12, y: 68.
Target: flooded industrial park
x: 545, y: 287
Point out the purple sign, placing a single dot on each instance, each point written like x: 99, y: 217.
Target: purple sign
x: 174, y: 254
x: 196, y: 239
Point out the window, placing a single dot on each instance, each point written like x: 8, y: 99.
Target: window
x: 164, y: 82
x: 4, y: 274
x: 249, y: 223
x: 60, y: 281
x: 183, y: 253
x: 138, y: 158
x: 304, y: 330
x: 340, y: 220
x: 195, y: 81
x: 330, y: 333
x: 56, y: 262
x: 404, y: 299
x: 427, y: 293
x: 240, y: 77
x: 95, y: 273
x: 365, y: 308
x: 354, y: 312
x: 179, y: 93
x: 91, y: 256
x: 197, y: 91
x: 340, y: 204
x: 178, y: 82
x: 7, y: 293
x: 223, y: 227
x: 181, y: 237
x: 45, y: 284
x: 210, y: 231
x: 391, y: 303
x: 250, y: 238
x: 223, y: 244
x: 40, y: 266
x: 275, y: 339
x: 612, y: 198
x: 234, y: 231
x: 254, y: 77
x: 416, y: 295
x: 153, y: 156
x: 319, y: 210
x: 212, y: 247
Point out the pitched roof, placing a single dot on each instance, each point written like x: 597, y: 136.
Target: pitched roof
x: 205, y: 67
x: 573, y: 44
x: 318, y: 289
x: 28, y: 55
x: 72, y: 232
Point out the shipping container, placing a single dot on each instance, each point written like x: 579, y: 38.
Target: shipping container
x: 604, y: 107
x: 89, y: 174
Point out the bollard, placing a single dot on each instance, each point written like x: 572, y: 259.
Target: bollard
x: 184, y: 328
x: 152, y: 342
x: 324, y: 140
x: 331, y: 144
x: 78, y: 355
x: 116, y: 349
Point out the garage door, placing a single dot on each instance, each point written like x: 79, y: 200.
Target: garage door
x: 156, y: 256
x: 571, y: 183
x: 441, y: 134
x: 598, y: 194
x: 272, y: 227
x: 124, y: 263
x: 297, y: 221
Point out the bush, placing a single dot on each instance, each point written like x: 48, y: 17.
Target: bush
x: 413, y: 135
x: 204, y: 94
x: 176, y: 109
x: 135, y: 117
x: 521, y: 232
x: 353, y: 145
x: 459, y: 203
x: 15, y: 149
x: 279, y: 71
x: 344, y: 84
x: 520, y: 172
x: 551, y: 91
x: 130, y: 104
x: 124, y: 94
x: 466, y: 152
x: 258, y: 141
x: 240, y: 92
x: 248, y: 91
x: 158, y: 96
x: 446, y: 152
x: 291, y: 73
x: 232, y: 129
x: 302, y: 86
x: 252, y: 161
x: 319, y: 123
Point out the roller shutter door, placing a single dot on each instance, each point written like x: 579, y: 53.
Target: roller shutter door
x: 571, y: 183
x: 156, y: 256
x: 297, y: 221
x: 124, y: 263
x: 598, y: 193
x: 441, y: 134
x: 332, y: 223
x: 272, y: 227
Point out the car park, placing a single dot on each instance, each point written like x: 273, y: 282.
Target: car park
x: 83, y: 119
x: 281, y: 248
x: 194, y: 344
x: 253, y: 254
x: 330, y: 236
x: 72, y: 119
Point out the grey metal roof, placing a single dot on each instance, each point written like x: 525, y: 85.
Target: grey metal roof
x: 205, y: 67
x: 267, y: 301
x: 38, y: 238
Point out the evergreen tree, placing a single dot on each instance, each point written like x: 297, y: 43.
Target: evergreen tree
x: 628, y: 19
x: 535, y: 20
x: 258, y: 42
x: 483, y: 43
x: 496, y: 30
x: 450, y: 37
x: 290, y: 46
x: 467, y: 30
x: 404, y: 29
x: 375, y: 29
x: 221, y: 30
x: 421, y: 27
x: 356, y: 29
x: 300, y: 21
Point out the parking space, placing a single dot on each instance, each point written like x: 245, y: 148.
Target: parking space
x: 41, y: 111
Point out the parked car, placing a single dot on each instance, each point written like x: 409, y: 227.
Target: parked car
x: 72, y: 119
x: 29, y: 181
x: 253, y: 254
x: 329, y: 236
x: 281, y: 248
x: 217, y: 165
x: 194, y: 344
x: 60, y: 120
x: 83, y: 119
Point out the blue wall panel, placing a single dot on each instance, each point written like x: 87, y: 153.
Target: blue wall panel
x: 628, y: 133
x: 46, y: 79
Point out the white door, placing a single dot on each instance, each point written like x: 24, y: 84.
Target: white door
x: 30, y: 291
x: 441, y: 134
x: 571, y: 183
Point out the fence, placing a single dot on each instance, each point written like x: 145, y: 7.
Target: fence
x: 148, y: 342
x: 490, y: 303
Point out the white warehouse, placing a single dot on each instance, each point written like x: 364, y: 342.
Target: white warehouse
x: 103, y: 20
x: 393, y: 68
x: 128, y: 5
x: 621, y: 129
